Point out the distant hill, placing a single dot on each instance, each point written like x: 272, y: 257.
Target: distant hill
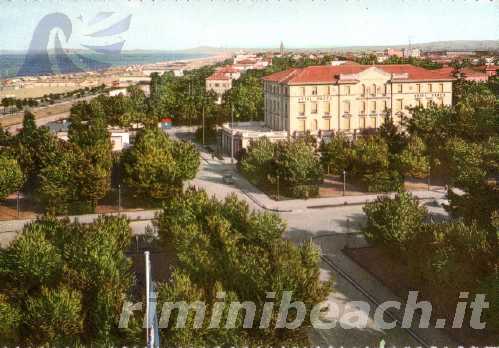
x: 454, y: 45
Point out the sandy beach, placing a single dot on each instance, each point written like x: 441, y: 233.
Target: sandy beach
x: 106, y: 77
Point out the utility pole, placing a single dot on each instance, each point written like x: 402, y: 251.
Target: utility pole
x: 344, y: 181
x: 232, y: 134
x: 429, y: 176
x: 119, y: 199
x: 203, y: 122
x: 190, y: 106
x: 18, y: 204
x: 278, y: 187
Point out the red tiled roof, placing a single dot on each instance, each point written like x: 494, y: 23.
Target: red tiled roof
x: 492, y: 67
x: 227, y: 69
x: 247, y: 61
x: 218, y: 76
x: 331, y: 74
x: 473, y: 72
x: 466, y: 71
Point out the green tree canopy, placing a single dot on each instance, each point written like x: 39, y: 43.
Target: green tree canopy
x: 11, y: 176
x: 88, y: 131
x: 391, y: 222
x: 156, y: 166
x: 64, y: 283
x: 413, y: 161
x: 222, y: 246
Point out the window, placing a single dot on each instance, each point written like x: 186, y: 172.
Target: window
x: 301, y: 125
x: 385, y: 105
x: 347, y: 90
x: 327, y: 108
x: 327, y: 124
x: 418, y: 88
x: 384, y: 89
x: 362, y: 122
x: 441, y: 87
x: 301, y: 108
x: 314, y: 125
x: 399, y: 88
x: 373, y: 106
x: 314, y: 108
x: 418, y: 102
x: 314, y: 90
x: 302, y: 91
x: 398, y: 105
x: 363, y: 107
x: 430, y: 88
x: 363, y: 90
x: 346, y: 107
x: 373, y: 89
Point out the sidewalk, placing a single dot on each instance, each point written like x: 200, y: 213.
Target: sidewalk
x: 267, y: 203
x: 331, y: 248
x: 17, y: 225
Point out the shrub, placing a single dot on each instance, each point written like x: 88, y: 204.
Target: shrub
x: 391, y: 222
x: 11, y: 176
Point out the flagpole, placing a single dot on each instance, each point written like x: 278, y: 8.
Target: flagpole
x: 148, y: 282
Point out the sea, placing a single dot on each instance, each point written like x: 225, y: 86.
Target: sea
x: 12, y: 65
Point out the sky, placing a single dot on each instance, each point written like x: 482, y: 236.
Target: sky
x: 174, y: 25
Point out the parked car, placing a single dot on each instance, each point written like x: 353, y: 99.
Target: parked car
x: 227, y: 178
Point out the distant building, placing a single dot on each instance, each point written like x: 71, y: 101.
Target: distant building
x: 456, y: 54
x: 120, y: 137
x: 492, y: 70
x: 220, y: 83
x: 394, y: 52
x: 338, y: 62
x: 281, y: 49
x: 412, y: 53
x: 116, y: 92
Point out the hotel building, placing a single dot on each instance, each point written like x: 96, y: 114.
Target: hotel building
x: 344, y: 98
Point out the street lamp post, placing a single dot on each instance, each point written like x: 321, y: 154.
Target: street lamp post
x: 232, y: 135
x: 429, y: 175
x: 18, y: 204
x: 203, y: 122
x: 278, y: 187
x: 119, y: 199
x: 344, y: 181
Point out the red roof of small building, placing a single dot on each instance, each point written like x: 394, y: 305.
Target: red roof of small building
x: 331, y: 74
x: 247, y: 61
x: 468, y: 72
x: 227, y: 69
x: 218, y: 76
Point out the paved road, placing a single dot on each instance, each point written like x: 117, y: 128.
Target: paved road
x: 42, y: 114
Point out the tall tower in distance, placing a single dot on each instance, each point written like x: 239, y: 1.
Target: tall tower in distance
x: 281, y: 49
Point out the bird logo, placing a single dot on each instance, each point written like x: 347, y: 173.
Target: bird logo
x: 105, y: 42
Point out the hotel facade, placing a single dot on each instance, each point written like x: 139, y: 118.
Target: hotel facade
x: 349, y: 98
x: 324, y: 100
